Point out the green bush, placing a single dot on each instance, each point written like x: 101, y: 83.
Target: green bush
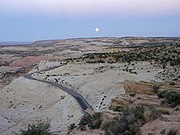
x: 106, y: 125
x: 172, y: 132
x: 119, y: 109
x: 162, y: 94
x: 153, y: 114
x: 85, y: 120
x: 37, y: 129
x: 130, y: 121
x: 170, y: 97
x: 139, y: 113
x: 93, y: 122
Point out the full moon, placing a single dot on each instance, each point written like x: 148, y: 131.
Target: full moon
x: 97, y: 29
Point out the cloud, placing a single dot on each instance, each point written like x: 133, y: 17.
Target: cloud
x: 86, y: 7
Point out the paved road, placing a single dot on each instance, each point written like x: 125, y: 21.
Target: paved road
x: 82, y: 102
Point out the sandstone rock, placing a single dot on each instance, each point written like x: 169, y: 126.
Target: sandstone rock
x: 137, y: 87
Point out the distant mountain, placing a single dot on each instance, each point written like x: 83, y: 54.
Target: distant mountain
x: 113, y: 41
x: 2, y: 43
x: 46, y: 42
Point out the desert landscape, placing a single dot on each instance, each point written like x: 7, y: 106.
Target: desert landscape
x: 92, y: 86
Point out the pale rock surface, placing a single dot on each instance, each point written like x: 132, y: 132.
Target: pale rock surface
x: 25, y: 102
x: 99, y: 83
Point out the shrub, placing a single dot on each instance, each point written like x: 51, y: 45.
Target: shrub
x: 119, y: 109
x: 156, y: 88
x: 106, y: 125
x: 72, y: 126
x: 172, y: 83
x: 93, y: 122
x: 163, y: 111
x: 132, y: 94
x: 85, y: 119
x: 177, y: 108
x: 170, y: 97
x: 152, y: 114
x: 162, y: 94
x: 96, y: 121
x: 163, y: 131
x: 129, y: 123
x: 172, y: 132
x: 139, y: 113
x: 39, y: 129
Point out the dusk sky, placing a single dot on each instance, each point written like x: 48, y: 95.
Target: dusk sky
x: 30, y: 20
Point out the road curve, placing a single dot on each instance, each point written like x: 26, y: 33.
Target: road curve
x: 82, y: 102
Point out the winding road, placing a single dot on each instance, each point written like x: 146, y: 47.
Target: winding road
x: 82, y: 102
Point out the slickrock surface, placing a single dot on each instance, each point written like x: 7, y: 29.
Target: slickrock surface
x: 25, y: 102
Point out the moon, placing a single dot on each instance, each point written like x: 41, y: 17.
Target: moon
x: 97, y: 29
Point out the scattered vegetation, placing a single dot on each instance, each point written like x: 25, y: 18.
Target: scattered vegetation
x: 172, y: 132
x: 119, y: 109
x: 162, y: 132
x: 152, y: 113
x: 41, y: 128
x: 71, y: 127
x: 170, y: 97
x: 156, y: 88
x: 130, y: 121
x: 93, y: 122
x: 160, y: 54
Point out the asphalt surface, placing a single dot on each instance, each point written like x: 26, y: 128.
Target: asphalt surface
x: 82, y: 102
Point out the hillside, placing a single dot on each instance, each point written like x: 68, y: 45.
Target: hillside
x: 92, y: 86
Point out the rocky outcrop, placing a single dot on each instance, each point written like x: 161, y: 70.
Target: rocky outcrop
x: 138, y: 87
x: 120, y: 101
x: 162, y: 125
